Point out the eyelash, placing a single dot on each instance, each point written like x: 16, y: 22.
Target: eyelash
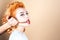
x: 23, y: 14
x: 27, y: 13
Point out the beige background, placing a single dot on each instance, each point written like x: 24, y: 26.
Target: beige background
x: 44, y: 16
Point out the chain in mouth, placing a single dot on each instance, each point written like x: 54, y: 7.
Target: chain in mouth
x: 28, y: 21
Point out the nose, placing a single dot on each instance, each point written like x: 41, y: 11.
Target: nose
x: 26, y: 16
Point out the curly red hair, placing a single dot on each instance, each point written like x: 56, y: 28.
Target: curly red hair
x: 9, y: 12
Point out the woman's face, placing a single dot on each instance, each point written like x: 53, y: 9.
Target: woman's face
x: 22, y: 16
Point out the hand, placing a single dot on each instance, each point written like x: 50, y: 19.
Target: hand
x: 12, y: 21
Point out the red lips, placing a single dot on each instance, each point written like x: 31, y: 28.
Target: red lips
x: 28, y: 21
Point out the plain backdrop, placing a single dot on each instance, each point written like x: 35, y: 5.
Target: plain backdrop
x: 44, y: 16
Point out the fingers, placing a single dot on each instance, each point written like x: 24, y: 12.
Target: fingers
x: 12, y: 21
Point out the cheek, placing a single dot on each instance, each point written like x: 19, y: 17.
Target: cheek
x: 21, y: 18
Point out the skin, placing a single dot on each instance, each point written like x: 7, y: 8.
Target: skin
x: 11, y: 22
x: 22, y: 16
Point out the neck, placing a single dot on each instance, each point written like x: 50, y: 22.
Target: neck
x: 20, y: 28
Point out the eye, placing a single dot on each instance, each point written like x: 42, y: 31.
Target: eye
x: 22, y: 15
x: 27, y: 13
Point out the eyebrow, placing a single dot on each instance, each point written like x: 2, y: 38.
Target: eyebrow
x: 21, y: 12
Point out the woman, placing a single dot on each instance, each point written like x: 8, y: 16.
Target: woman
x: 17, y: 10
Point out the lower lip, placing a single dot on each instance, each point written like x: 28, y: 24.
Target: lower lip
x: 28, y: 21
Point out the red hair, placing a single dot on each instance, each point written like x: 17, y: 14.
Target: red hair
x: 9, y: 12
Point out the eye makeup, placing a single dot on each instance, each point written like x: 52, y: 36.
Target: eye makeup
x: 22, y: 13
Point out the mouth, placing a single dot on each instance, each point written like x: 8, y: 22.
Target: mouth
x: 28, y: 21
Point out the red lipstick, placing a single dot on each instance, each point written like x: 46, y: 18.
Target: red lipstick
x: 28, y: 21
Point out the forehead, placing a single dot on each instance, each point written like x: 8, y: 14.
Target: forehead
x: 20, y: 10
